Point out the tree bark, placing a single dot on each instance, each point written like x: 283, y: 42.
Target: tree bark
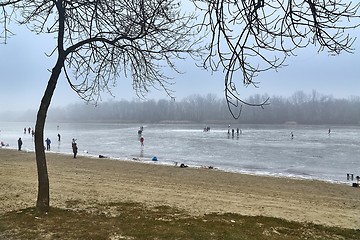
x: 43, y: 198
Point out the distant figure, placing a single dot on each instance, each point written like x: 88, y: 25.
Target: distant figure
x: 24, y: 130
x: 209, y: 167
x: 74, y: 147
x: 19, y: 144
x: 142, y: 140
x: 183, y: 165
x: 292, y: 135
x: 59, y: 137
x: 48, y: 142
x: 29, y: 130
x: 329, y: 131
x: 141, y: 129
x: 32, y: 133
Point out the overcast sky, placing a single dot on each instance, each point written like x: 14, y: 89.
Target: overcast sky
x: 24, y: 75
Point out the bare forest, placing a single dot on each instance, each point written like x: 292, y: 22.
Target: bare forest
x: 300, y: 108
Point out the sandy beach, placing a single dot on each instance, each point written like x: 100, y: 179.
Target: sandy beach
x: 91, y: 181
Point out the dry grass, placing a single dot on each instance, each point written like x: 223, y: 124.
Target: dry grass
x: 136, y: 221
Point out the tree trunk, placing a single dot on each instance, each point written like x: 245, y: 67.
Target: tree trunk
x: 43, y: 198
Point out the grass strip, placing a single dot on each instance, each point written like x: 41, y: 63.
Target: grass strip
x: 130, y: 220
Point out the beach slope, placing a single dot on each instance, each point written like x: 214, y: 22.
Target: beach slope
x: 92, y: 181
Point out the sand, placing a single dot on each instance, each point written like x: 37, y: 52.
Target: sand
x: 91, y: 181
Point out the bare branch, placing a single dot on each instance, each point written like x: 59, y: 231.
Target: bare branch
x: 136, y: 38
x: 252, y: 36
x: 7, y: 12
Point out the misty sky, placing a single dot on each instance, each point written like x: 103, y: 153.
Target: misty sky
x: 24, y: 72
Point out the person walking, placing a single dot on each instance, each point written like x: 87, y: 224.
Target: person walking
x: 74, y: 147
x: 142, y: 140
x: 19, y: 144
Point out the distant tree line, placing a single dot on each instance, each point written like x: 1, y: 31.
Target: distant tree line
x: 301, y: 108
x: 304, y: 108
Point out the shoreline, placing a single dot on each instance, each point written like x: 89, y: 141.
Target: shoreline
x: 313, y: 154
x: 149, y: 161
x: 91, y: 181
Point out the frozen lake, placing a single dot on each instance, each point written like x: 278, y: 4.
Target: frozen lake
x: 313, y: 153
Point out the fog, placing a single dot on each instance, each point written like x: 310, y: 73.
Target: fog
x: 25, y: 72
x: 300, y: 108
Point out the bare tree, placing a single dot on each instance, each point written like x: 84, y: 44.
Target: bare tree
x: 98, y: 40
x: 253, y: 36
